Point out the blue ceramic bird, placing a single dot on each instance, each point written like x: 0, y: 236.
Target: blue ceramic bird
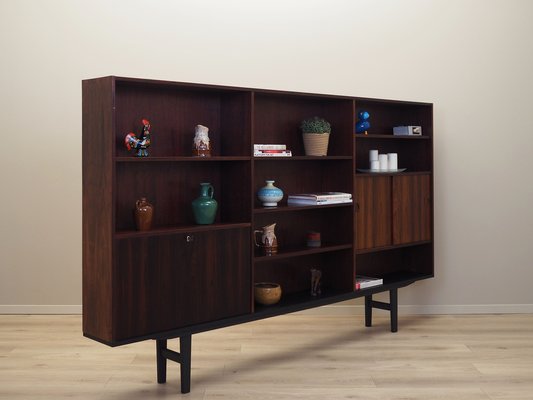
x: 363, y: 124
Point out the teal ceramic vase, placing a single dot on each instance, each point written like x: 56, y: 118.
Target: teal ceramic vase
x: 205, y: 206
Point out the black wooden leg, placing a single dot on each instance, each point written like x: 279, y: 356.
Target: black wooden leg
x: 393, y: 310
x: 161, y: 344
x: 185, y: 368
x: 368, y: 310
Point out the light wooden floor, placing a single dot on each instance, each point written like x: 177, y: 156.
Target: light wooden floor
x: 289, y: 357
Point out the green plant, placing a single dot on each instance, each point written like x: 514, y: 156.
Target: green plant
x: 315, y: 125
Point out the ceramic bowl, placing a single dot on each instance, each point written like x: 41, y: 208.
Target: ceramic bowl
x: 267, y: 293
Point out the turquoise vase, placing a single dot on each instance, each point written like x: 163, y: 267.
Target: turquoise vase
x: 205, y: 207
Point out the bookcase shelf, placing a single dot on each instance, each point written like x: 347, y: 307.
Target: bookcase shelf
x: 303, y: 158
x: 302, y: 251
x: 390, y: 136
x: 285, y: 208
x: 181, y: 278
x: 131, y: 159
x: 179, y: 229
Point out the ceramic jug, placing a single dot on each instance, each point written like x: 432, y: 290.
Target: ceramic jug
x: 205, y: 206
x: 269, y: 242
x: 201, y: 145
x: 144, y: 213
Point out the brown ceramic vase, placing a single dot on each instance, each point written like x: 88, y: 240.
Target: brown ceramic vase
x: 144, y: 213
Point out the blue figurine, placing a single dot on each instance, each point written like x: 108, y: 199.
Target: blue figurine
x: 363, y: 124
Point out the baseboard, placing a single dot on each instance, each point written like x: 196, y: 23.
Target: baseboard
x: 39, y: 309
x: 344, y: 309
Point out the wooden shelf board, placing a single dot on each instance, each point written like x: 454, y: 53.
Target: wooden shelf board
x: 292, y: 302
x: 179, y: 229
x: 302, y: 251
x: 361, y: 174
x: 392, y: 247
x: 285, y: 208
x: 391, y: 136
x: 182, y: 159
x: 299, y: 301
x: 303, y: 158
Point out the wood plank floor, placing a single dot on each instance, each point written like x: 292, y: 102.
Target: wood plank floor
x: 288, y: 357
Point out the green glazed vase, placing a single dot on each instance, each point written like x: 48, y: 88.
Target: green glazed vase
x: 205, y: 207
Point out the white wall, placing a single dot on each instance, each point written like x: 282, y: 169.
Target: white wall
x: 472, y: 58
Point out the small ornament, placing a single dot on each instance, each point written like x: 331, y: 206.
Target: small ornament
x: 313, y: 239
x: 144, y: 213
x: 201, y: 146
x: 316, y: 282
x: 205, y: 206
x: 139, y: 144
x: 269, y: 241
x: 363, y: 124
x: 270, y: 195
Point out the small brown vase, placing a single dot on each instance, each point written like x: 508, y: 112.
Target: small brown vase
x: 144, y: 213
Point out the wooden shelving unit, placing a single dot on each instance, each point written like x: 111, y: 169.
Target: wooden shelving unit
x: 181, y: 278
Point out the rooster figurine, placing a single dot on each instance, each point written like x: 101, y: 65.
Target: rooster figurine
x: 139, y: 144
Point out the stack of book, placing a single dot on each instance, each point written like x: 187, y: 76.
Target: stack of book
x: 319, y: 198
x: 271, y: 150
x: 364, y: 282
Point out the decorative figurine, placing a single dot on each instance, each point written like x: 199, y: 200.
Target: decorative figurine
x: 316, y: 282
x: 201, y: 146
x: 269, y: 195
x: 144, y: 213
x: 363, y: 124
x: 313, y: 239
x: 205, y: 206
x: 269, y: 241
x: 141, y: 143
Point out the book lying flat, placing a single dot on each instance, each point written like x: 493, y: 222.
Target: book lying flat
x: 364, y: 282
x: 272, y: 153
x: 321, y: 196
x: 312, y: 202
x: 270, y: 147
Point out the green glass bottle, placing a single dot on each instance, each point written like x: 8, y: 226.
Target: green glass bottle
x: 205, y: 206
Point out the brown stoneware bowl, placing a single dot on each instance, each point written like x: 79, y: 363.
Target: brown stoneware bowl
x: 267, y: 293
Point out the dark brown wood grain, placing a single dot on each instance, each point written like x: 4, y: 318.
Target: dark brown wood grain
x: 373, y: 212
x: 415, y: 258
x: 98, y: 216
x: 411, y: 208
x: 140, y: 284
x: 169, y: 282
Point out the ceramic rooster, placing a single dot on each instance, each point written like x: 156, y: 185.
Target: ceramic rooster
x: 139, y: 144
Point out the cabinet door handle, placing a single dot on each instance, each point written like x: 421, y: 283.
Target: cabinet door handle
x: 189, y: 238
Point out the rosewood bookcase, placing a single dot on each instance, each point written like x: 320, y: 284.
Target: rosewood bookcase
x: 179, y: 278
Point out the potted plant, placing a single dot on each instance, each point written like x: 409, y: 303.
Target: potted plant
x: 315, y: 132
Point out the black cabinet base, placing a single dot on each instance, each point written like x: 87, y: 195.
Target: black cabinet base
x: 183, y: 358
x: 392, y: 306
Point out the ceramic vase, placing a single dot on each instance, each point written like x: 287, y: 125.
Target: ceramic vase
x: 205, y: 206
x: 201, y: 145
x: 270, y: 195
x: 269, y: 241
x: 144, y: 213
